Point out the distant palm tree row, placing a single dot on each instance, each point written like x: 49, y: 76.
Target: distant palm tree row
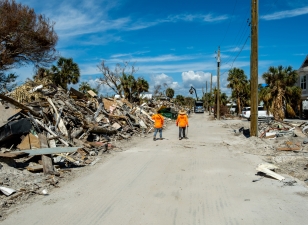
x: 279, y: 95
x: 67, y: 72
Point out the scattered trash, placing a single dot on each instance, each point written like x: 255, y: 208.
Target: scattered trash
x: 7, y: 191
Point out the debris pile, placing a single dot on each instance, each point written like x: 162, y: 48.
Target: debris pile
x: 283, y: 144
x: 44, y: 128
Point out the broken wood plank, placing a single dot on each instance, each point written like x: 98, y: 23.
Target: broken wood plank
x: 116, y: 126
x: 43, y: 140
x: 19, y: 105
x: 92, y: 93
x: 37, y: 168
x: 7, y: 113
x: 34, y: 141
x: 25, y: 143
x: 47, y: 151
x: 61, y: 125
x: 29, y: 142
x: 51, y: 132
x: 13, y: 154
x: 266, y: 169
x: 47, y: 164
x: 51, y: 141
x: 68, y: 158
x: 290, y: 147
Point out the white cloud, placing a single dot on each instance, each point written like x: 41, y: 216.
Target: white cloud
x: 196, y: 17
x: 94, y: 83
x: 165, y: 81
x: 286, y: 14
x: 196, y: 79
x: 161, y: 79
x: 176, y: 67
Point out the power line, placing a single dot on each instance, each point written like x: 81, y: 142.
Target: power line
x: 271, y: 7
x: 242, y: 35
x: 229, y: 23
x: 240, y: 51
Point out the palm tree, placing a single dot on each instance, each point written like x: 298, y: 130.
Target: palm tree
x: 238, y: 83
x: 84, y: 87
x: 66, y: 72
x: 41, y: 73
x: 169, y: 92
x: 280, y: 91
x: 180, y: 99
x: 223, y: 99
x: 127, y: 83
x: 141, y: 86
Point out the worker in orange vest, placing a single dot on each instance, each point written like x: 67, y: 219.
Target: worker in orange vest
x: 158, y: 125
x: 182, y: 122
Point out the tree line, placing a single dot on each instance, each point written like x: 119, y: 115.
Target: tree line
x: 279, y: 94
x: 30, y: 38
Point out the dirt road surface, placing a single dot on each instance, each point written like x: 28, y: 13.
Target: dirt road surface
x: 206, y: 179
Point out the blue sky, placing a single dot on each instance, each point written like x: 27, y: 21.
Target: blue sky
x: 174, y: 42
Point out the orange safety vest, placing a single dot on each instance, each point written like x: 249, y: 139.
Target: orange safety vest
x: 182, y: 121
x: 159, y: 120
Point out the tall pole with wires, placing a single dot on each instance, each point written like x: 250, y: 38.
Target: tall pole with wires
x: 218, y: 87
x: 254, y: 68
x: 206, y: 97
x: 210, y: 109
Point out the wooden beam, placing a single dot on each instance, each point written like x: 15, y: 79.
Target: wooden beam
x: 47, y: 164
x: 19, y: 105
x: 13, y: 154
x: 37, y: 168
x: 51, y: 132
x: 43, y: 140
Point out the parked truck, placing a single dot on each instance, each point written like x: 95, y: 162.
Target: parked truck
x: 198, y: 106
x: 262, y: 113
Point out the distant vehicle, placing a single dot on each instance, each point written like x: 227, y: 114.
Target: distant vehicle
x: 198, y: 107
x: 262, y: 113
x: 232, y: 107
x: 244, y: 111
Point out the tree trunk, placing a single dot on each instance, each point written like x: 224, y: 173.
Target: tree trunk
x: 278, y: 106
x: 239, y: 106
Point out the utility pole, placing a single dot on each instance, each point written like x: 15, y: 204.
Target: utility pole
x: 254, y: 68
x: 207, y: 97
x: 210, y: 94
x: 218, y: 94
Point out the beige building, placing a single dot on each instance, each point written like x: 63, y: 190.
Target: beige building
x: 303, y: 78
x: 302, y: 83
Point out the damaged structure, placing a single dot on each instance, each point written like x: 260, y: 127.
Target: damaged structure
x: 46, y: 131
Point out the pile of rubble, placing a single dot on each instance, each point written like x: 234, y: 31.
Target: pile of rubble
x: 282, y: 144
x: 45, y: 131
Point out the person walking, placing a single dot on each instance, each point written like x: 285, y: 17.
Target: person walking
x: 158, y: 125
x: 182, y: 122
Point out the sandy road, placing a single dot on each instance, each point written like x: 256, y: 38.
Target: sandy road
x: 201, y: 180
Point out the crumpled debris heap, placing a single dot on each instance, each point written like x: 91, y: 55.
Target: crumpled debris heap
x: 46, y: 131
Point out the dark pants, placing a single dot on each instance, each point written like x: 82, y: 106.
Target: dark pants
x: 160, y: 130
x: 182, y: 130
